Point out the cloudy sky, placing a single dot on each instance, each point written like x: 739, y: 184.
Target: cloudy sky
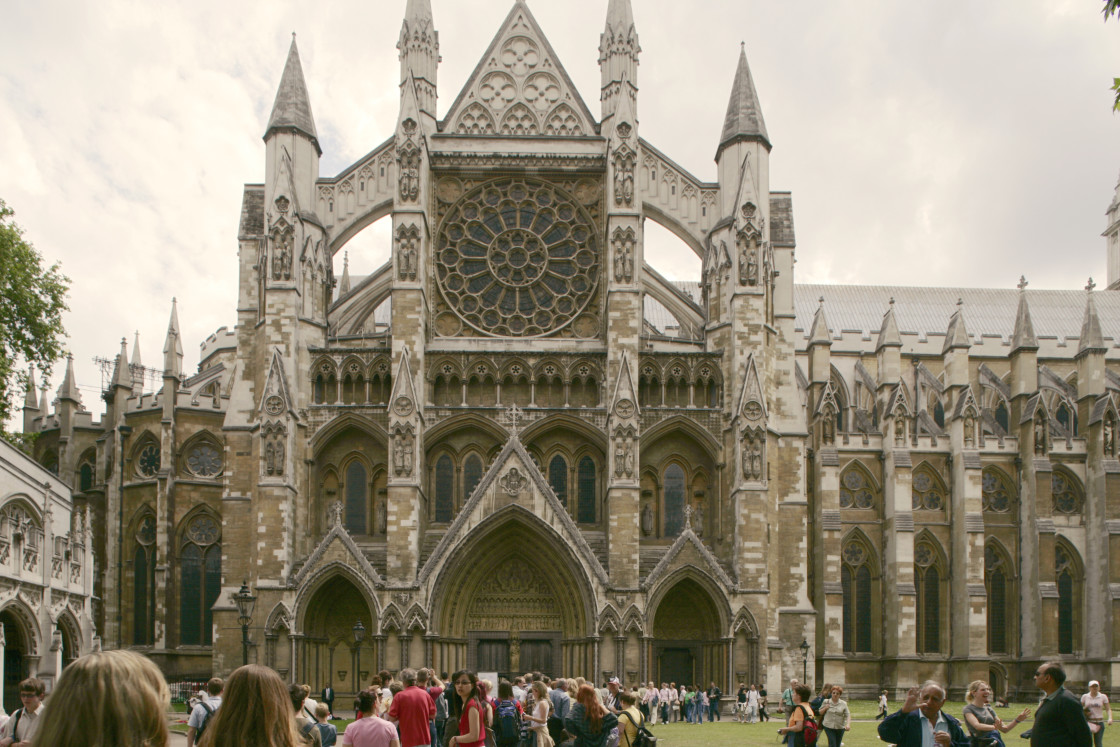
x: 948, y: 143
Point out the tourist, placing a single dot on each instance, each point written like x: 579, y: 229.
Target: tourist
x: 204, y: 711
x: 836, y: 717
x: 816, y: 702
x: 588, y: 722
x: 610, y: 699
x: 472, y: 719
x: 920, y: 714
x: 753, y: 705
x: 630, y: 719
x: 1095, y: 704
x: 652, y: 703
x: 979, y: 717
x: 1059, y: 718
x: 435, y: 690
x: 370, y: 730
x: 794, y: 728
x: 787, y: 699
x: 328, y: 733
x: 762, y: 702
x: 539, y: 719
x: 882, y: 706
x: 106, y: 699
x: 741, y: 704
x: 714, y: 694
x: 256, y: 710
x: 561, y: 703
x: 25, y: 720
x: 674, y: 702
x: 413, y: 709
x: 328, y: 698
x: 308, y: 732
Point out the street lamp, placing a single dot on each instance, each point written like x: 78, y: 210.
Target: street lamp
x: 359, y: 636
x: 245, y: 603
x: 804, y: 661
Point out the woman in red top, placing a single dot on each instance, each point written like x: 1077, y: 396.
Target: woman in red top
x: 472, y: 732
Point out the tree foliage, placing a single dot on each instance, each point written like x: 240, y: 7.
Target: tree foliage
x: 1110, y: 9
x: 32, y: 301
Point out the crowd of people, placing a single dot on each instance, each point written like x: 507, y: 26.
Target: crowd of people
x: 255, y: 708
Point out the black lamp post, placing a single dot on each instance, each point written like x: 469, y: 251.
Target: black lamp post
x: 804, y: 661
x: 245, y: 603
x: 125, y: 431
x: 359, y: 636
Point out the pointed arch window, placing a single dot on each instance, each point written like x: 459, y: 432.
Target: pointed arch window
x: 995, y: 490
x: 1067, y: 416
x: 927, y: 579
x: 674, y: 500
x: 939, y: 413
x: 445, y: 488
x: 143, y: 584
x: 86, y: 473
x: 855, y: 583
x: 1066, y: 492
x: 1003, y: 418
x: 927, y: 492
x: 558, y: 478
x: 586, y: 487
x: 357, y: 497
x: 995, y: 581
x: 472, y: 475
x: 1069, y: 587
x: 856, y: 490
x: 200, y: 580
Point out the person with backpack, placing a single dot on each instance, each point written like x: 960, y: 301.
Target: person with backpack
x: 204, y: 711
x: 507, y: 716
x: 540, y: 716
x: 630, y: 721
x: 307, y: 728
x: 802, y: 729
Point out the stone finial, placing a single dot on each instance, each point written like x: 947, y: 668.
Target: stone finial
x: 1090, y: 285
x: 1023, y: 338
x: 818, y: 332
x: 1022, y: 283
x: 688, y: 516
x: 336, y: 514
x: 1092, y: 339
x: 889, y: 335
x: 956, y: 336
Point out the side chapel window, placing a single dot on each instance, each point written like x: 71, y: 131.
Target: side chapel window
x: 144, y: 583
x: 200, y: 573
x: 855, y: 582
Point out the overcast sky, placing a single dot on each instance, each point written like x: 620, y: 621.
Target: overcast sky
x: 948, y: 143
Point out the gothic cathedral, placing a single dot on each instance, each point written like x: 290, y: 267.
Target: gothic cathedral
x: 518, y: 447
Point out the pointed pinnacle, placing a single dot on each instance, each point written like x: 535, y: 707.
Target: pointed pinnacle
x: 30, y: 400
x: 889, y: 336
x: 818, y: 333
x: 292, y: 108
x: 1092, y: 340
x: 743, y: 120
x: 1023, y: 338
x: 69, y: 388
x: 173, y: 345
x: 956, y: 336
x: 121, y: 375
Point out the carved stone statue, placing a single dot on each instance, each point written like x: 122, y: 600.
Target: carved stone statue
x: 408, y: 240
x: 1109, y: 436
x: 899, y: 431
x: 647, y: 520
x: 623, y: 176
x: 408, y: 162
x: 828, y: 427
x: 752, y: 268
x: 698, y: 523
x: 1040, y: 435
x: 969, y: 429
x: 402, y: 454
x: 382, y: 517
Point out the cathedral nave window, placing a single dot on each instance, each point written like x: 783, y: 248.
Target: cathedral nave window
x: 855, y: 583
x: 200, y: 580
x: 927, y: 580
x: 143, y: 583
x: 1069, y: 580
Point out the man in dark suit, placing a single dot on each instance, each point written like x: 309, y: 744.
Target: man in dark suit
x: 1059, y: 718
x: 328, y: 698
x: 921, y: 723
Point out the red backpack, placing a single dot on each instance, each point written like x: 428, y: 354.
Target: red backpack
x: 810, y: 729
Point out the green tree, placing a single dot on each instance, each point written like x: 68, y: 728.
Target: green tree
x: 32, y: 301
x: 1110, y: 8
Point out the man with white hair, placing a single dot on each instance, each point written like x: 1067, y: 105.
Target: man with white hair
x: 921, y: 722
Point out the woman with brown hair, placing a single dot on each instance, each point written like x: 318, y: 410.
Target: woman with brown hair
x: 588, y: 722
x: 472, y: 719
x: 108, y: 699
x: 256, y: 711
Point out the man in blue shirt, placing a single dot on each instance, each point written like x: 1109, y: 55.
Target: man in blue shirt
x: 921, y: 723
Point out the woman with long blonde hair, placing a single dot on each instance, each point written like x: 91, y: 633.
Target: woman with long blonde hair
x: 538, y: 719
x: 256, y: 711
x: 108, y: 699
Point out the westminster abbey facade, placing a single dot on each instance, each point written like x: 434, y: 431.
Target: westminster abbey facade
x: 516, y: 446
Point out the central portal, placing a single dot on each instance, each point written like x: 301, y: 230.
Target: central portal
x: 514, y: 622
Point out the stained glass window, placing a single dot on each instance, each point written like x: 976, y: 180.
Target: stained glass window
x: 674, y: 500
x: 855, y: 492
x: 200, y: 572
x: 586, y: 511
x: 357, y: 498
x: 558, y: 478
x: 445, y: 488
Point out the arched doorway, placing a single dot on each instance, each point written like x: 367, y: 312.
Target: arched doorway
x: 687, y: 647
x: 16, y: 664
x: 328, y: 653
x: 510, y: 601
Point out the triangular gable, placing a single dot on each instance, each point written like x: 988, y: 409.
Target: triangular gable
x: 752, y: 393
x: 717, y: 260
x: 1104, y: 403
x: 403, y: 398
x: 688, y: 544
x: 624, y: 392
x: 965, y: 401
x: 828, y: 397
x: 275, y: 386
x: 284, y: 198
x: 519, y: 88
x: 898, y: 403
x: 336, y: 546
x: 513, y: 481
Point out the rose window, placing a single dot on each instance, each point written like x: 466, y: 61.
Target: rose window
x: 148, y: 460
x: 517, y: 258
x: 204, y: 461
x: 855, y: 492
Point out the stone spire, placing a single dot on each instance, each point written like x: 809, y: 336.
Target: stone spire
x: 121, y: 376
x: 69, y: 388
x: 956, y: 336
x: 31, y: 400
x: 136, y: 368
x: 818, y: 332
x: 888, y: 332
x: 292, y: 109
x: 1023, y: 337
x: 173, y: 345
x: 419, y: 53
x: 344, y: 283
x: 618, y: 58
x: 1092, y: 340
x: 744, y: 114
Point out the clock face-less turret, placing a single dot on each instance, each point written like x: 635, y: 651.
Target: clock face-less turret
x: 517, y: 258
